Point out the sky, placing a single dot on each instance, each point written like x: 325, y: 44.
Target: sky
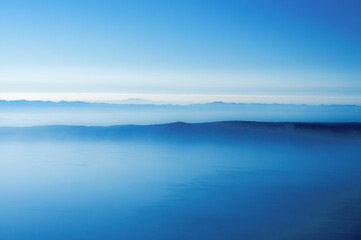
x: 282, y: 51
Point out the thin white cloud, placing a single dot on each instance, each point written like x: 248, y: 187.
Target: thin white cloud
x: 90, y: 80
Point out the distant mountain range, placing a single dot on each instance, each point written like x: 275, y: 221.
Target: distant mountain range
x: 149, y: 103
x: 31, y: 113
x: 232, y: 131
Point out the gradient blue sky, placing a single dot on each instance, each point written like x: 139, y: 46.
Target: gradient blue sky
x: 277, y: 48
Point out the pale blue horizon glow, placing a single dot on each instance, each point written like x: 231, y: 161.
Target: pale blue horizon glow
x: 240, y: 51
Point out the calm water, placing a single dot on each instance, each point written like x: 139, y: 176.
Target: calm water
x: 132, y: 190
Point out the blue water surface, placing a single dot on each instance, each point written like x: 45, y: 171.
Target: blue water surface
x: 162, y: 190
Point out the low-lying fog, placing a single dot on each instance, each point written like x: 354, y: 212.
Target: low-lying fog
x: 27, y: 113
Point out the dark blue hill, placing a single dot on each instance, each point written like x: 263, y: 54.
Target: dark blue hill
x: 180, y: 131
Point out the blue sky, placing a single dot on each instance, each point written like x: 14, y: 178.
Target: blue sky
x: 261, y: 48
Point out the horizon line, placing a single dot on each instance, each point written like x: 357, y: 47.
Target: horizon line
x: 172, y: 104
x: 178, y: 99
